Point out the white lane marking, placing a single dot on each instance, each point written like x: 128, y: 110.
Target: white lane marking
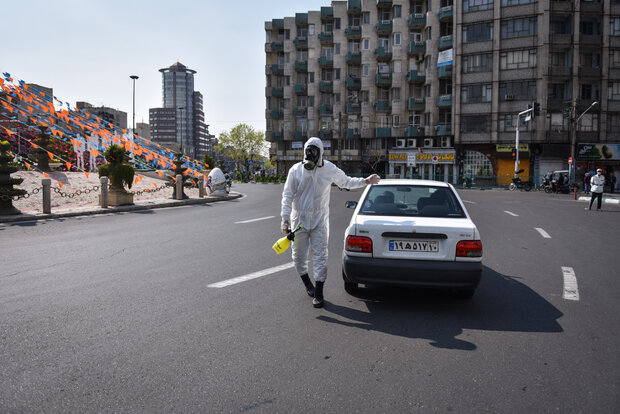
x: 470, y: 202
x: 251, y: 276
x: 511, y: 213
x: 571, y: 291
x: 256, y: 219
x: 543, y: 233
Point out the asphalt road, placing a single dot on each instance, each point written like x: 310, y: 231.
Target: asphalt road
x: 114, y: 313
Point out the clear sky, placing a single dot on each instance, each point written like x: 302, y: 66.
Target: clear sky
x: 86, y: 50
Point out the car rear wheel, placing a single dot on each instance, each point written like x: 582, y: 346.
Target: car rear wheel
x: 349, y: 287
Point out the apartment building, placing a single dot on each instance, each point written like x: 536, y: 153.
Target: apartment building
x: 433, y: 88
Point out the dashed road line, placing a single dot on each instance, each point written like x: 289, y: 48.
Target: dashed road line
x: 470, y: 202
x: 251, y: 276
x: 543, y: 233
x: 252, y: 220
x: 571, y: 290
x: 511, y: 213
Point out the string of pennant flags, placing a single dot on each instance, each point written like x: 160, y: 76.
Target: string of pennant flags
x: 78, y: 128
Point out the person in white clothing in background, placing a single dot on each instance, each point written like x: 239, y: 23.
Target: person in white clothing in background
x: 597, y: 181
x: 305, y: 202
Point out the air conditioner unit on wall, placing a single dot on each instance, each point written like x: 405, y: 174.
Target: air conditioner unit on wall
x: 400, y: 143
x: 428, y: 142
x: 356, y: 131
x: 509, y: 97
x: 445, y: 142
x: 411, y: 143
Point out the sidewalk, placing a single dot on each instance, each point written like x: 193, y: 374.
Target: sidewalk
x: 608, y: 198
x: 69, y: 204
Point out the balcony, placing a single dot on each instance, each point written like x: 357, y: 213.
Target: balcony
x: 301, y: 66
x: 326, y: 61
x: 383, y: 132
x: 354, y: 108
x: 383, y: 106
x: 301, y: 135
x: 446, y: 14
x: 354, y: 83
x: 383, y: 54
x: 300, y: 111
x: 414, y: 104
x: 445, y: 42
x: 414, y: 131
x: 277, y: 69
x: 327, y: 13
x: 383, y: 79
x: 301, y: 42
x: 326, y: 38
x: 354, y: 58
x: 277, y: 92
x: 277, y: 114
x: 277, y: 136
x: 417, y: 48
x: 326, y: 110
x: 277, y: 23
x: 277, y: 46
x: 326, y: 86
x: 384, y: 27
x: 353, y: 32
x: 354, y: 7
x: 445, y: 101
x: 443, y: 129
x: 444, y: 72
x: 417, y: 20
x: 353, y: 133
x: 301, y: 19
x: 301, y: 89
x: 415, y: 76
x: 326, y: 134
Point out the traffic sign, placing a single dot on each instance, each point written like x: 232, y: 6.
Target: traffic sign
x: 570, y: 160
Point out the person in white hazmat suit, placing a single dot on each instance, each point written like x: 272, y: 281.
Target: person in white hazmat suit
x: 305, y: 202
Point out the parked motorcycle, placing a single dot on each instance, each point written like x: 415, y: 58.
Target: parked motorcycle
x: 517, y: 183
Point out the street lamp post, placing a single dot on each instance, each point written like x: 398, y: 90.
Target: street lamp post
x: 134, y: 77
x: 573, y: 132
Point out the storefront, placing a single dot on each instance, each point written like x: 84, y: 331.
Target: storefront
x: 506, y: 164
x: 428, y: 164
x: 593, y: 156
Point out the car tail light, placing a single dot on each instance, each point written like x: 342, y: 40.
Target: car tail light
x: 469, y: 248
x: 359, y: 244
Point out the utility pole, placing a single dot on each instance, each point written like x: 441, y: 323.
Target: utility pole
x: 339, y: 140
x: 573, y: 132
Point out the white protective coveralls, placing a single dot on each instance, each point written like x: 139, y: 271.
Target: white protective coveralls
x: 305, y: 201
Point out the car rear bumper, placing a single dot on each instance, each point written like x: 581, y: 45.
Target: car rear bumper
x: 420, y: 273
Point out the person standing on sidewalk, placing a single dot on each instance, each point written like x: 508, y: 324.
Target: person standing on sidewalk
x: 305, y: 202
x: 597, y: 181
x: 586, y: 183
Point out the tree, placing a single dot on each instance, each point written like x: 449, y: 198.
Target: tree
x: 373, y: 158
x: 242, y: 144
x: 209, y: 161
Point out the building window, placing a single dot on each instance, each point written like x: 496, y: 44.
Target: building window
x: 476, y: 93
x: 365, y: 44
x: 478, y: 32
x: 613, y: 122
x: 475, y: 123
x: 366, y: 17
x: 396, y: 66
x: 588, y: 122
x: 508, y: 123
x: 397, y: 12
x: 517, y: 91
x: 365, y: 70
x: 310, y: 30
x: 559, y: 91
x: 560, y: 25
x: 396, y: 41
x: 396, y: 121
x: 615, y: 26
x: 476, y: 5
x: 396, y: 94
x: 614, y: 58
x: 477, y: 165
x: 561, y: 59
x: 518, y: 59
x: 516, y: 2
x: 614, y: 91
x: 337, y: 23
x: 526, y: 26
x: 590, y: 60
x: 478, y: 63
x: 365, y: 96
x: 589, y: 91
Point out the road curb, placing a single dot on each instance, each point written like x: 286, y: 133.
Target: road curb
x: 93, y: 210
x: 605, y: 200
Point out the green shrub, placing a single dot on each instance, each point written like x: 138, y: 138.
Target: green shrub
x: 117, y: 169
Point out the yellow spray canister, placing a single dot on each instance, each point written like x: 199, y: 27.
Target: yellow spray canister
x: 282, y: 244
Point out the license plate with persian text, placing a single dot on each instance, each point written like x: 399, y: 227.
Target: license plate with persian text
x: 414, y: 246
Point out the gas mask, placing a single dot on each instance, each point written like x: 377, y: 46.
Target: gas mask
x: 313, y: 153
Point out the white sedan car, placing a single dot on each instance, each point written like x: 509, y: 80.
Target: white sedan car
x: 413, y: 233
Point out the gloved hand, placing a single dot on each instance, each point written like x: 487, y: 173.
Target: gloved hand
x: 373, y: 179
x: 285, y: 227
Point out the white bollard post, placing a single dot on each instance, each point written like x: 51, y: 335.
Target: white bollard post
x: 47, y: 197
x: 179, y: 187
x: 201, y: 186
x: 103, y: 198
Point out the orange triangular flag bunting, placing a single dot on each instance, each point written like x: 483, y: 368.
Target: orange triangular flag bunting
x: 68, y: 164
x: 86, y: 174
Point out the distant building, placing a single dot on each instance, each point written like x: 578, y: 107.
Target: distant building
x: 143, y: 130
x: 164, y: 131
x: 113, y: 116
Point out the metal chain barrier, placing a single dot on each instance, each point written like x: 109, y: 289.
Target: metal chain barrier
x: 18, y: 197
x: 76, y: 192
x: 148, y: 190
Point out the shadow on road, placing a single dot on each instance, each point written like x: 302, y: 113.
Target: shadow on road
x: 501, y: 303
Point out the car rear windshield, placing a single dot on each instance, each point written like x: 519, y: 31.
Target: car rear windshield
x: 411, y: 200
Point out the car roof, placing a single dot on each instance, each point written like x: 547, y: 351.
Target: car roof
x: 392, y: 181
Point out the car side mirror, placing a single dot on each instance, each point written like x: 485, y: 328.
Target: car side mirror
x: 350, y: 204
